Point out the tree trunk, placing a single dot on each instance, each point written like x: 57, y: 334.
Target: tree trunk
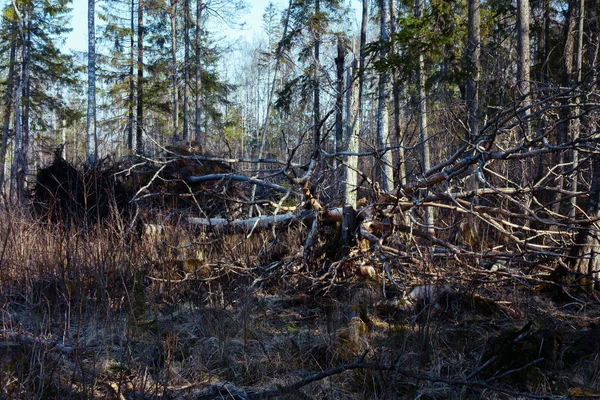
x: 131, y: 80
x: 383, y: 137
x: 396, y: 95
x: 429, y: 217
x: 352, y: 134
x: 186, y: 67
x: 17, y: 138
x: 577, y: 120
x: 8, y: 105
x: 585, y: 254
x: 90, y: 126
x: 523, y: 58
x: 339, y: 107
x: 355, y: 111
x: 199, y: 8
x: 564, y: 127
x: 173, y: 17
x: 140, y: 80
x: 24, y: 162
x: 317, y: 91
x: 474, y: 68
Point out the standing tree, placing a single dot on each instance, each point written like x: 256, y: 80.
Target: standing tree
x: 90, y: 127
x: 383, y: 139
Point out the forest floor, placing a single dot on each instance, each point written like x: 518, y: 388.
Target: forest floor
x: 192, y: 315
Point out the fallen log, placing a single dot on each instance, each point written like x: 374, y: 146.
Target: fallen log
x: 265, y: 221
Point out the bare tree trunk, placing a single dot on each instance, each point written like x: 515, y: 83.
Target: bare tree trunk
x: 24, y: 162
x: 8, y: 105
x: 131, y: 80
x: 173, y: 17
x: 317, y: 90
x: 186, y: 67
x: 383, y: 137
x: 352, y: 134
x: 339, y: 98
x: 140, y: 80
x: 199, y: 8
x: 474, y: 68
x: 17, y: 138
x: 355, y: 111
x: 523, y: 50
x: 339, y: 108
x: 90, y: 126
x: 577, y: 121
x: 396, y: 95
x: 564, y: 128
x: 429, y: 217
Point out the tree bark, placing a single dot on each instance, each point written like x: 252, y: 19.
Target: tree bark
x: 396, y: 95
x: 90, y: 126
x: 383, y: 138
x: 429, y: 217
x: 355, y: 111
x: 339, y: 109
x: 131, y: 80
x: 186, y: 67
x: 577, y: 121
x: 474, y: 68
x: 173, y: 17
x: 317, y: 89
x: 564, y: 128
x: 8, y: 104
x: 339, y: 95
x: 24, y: 162
x: 140, y: 80
x: 199, y: 8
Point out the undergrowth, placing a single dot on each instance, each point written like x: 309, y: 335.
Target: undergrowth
x: 104, y: 312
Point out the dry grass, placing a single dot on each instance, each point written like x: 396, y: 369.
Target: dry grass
x: 101, y: 313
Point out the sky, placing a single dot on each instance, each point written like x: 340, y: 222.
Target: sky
x: 77, y: 40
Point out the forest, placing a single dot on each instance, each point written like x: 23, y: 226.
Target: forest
x: 369, y: 199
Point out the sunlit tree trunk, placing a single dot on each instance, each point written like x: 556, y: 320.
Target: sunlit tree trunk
x: 140, y: 80
x: 130, y: 115
x: 317, y: 90
x: 577, y: 121
x: 396, y: 96
x: 24, y: 162
x: 355, y: 110
x: 90, y: 127
x: 424, y: 136
x: 199, y: 8
x: 173, y: 18
x: 186, y: 67
x: 8, y: 104
x: 563, y: 129
x: 383, y: 137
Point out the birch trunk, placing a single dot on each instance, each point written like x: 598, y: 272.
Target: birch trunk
x: 383, y: 137
x: 186, y: 67
x: 90, y: 126
x: 140, y: 80
x: 131, y: 80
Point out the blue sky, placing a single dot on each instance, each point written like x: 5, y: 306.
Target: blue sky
x: 77, y: 40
